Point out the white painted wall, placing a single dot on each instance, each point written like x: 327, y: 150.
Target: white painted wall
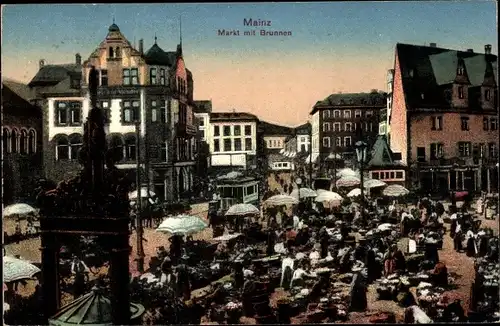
x: 315, y: 132
x: 302, y: 140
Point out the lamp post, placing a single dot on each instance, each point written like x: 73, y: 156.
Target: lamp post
x: 298, y: 182
x: 361, y: 148
x: 453, y: 172
x: 432, y: 180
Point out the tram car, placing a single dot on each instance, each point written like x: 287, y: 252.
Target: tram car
x: 283, y: 166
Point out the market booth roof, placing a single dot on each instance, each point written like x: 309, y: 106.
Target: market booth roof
x: 92, y: 309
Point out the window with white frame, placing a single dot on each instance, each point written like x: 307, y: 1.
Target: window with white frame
x: 130, y: 148
x: 357, y: 114
x: 326, y: 141
x: 75, y: 144
x: 336, y: 113
x: 347, y: 126
x: 464, y: 149
x: 326, y: 114
x: 493, y: 124
x: 336, y: 126
x: 347, y: 114
x: 62, y: 149
x: 326, y: 126
x: 492, y: 150
x: 216, y: 145
x: 61, y: 113
x: 162, y: 76
x: 436, y: 151
x: 216, y: 131
x: 154, y: 111
x: 347, y: 141
x: 338, y: 142
x: 130, y: 111
x: 31, y: 141
x: 368, y: 113
x: 152, y: 76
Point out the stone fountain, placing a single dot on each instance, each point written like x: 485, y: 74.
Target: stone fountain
x: 94, y: 203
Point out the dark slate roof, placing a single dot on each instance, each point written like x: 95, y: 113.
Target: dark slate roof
x: 113, y: 28
x: 204, y: 106
x: 273, y: 129
x: 303, y: 129
x: 225, y: 116
x: 54, y: 74
x: 21, y: 89
x: 430, y: 71
x: 354, y: 99
x: 381, y: 154
x: 157, y: 56
x: 14, y: 101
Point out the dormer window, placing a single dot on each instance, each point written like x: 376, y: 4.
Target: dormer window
x: 460, y: 71
x: 461, y: 93
x: 487, y: 95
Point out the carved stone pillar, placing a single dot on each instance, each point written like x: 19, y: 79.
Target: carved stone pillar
x: 50, y: 274
x: 120, y: 280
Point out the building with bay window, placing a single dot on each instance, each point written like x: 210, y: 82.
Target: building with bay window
x: 444, y: 117
x: 147, y: 100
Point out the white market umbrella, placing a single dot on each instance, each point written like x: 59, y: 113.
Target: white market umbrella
x: 149, y: 278
x: 348, y: 181
x: 231, y: 175
x: 327, y: 196
x: 17, y: 269
x: 182, y: 225
x: 354, y: 193
x: 373, y: 183
x: 395, y: 191
x: 144, y: 194
x: 334, y: 156
x: 347, y: 173
x: 242, y: 209
x: 384, y: 227
x: 304, y: 193
x: 278, y: 200
x: 18, y: 209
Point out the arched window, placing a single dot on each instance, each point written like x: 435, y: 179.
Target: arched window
x: 62, y: 148
x: 111, y: 53
x: 75, y: 143
x: 23, y: 142
x: 130, y: 150
x: 32, y: 142
x: 14, y: 140
x: 118, y: 53
x: 6, y: 140
x: 116, y: 144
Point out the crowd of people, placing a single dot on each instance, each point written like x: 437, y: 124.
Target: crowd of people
x: 313, y: 263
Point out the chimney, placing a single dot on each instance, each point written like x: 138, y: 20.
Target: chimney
x: 141, y: 46
x: 470, y: 50
x: 41, y: 63
x: 487, y: 49
x: 78, y: 59
x: 433, y: 45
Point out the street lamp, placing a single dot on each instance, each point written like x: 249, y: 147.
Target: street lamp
x: 298, y: 182
x: 361, y: 149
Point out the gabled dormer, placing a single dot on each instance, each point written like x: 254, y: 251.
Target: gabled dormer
x: 488, y: 87
x: 117, y: 61
x: 460, y: 88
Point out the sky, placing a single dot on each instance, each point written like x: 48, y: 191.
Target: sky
x: 333, y: 47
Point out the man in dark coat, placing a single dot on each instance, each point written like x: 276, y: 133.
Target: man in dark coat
x: 183, y: 284
x: 358, y: 300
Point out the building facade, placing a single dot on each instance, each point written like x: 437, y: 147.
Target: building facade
x: 341, y: 120
x: 275, y: 137
x: 147, y: 101
x: 232, y: 138
x: 303, y: 138
x: 21, y: 143
x: 444, y: 117
x: 385, y: 114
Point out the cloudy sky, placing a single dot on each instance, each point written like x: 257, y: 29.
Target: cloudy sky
x: 334, y: 47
